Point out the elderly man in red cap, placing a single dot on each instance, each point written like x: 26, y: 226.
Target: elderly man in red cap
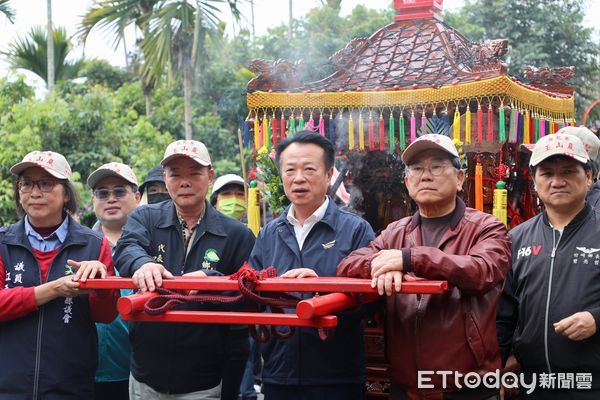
x: 433, y: 341
x: 549, y: 310
x: 182, y: 236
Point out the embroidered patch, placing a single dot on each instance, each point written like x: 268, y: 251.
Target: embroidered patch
x: 328, y: 245
x: 211, y: 255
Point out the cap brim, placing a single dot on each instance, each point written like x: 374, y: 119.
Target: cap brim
x: 100, y: 174
x: 416, y: 147
x: 534, y: 162
x: 22, y: 166
x: 168, y: 159
x: 231, y: 182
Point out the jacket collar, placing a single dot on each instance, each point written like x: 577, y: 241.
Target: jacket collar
x: 329, y: 218
x: 457, y: 215
x: 211, y: 222
x: 16, y: 234
x: 579, y: 218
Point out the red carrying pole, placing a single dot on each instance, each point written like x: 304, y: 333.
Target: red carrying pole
x: 323, y: 305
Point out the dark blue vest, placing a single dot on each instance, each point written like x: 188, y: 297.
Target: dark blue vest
x: 50, y: 353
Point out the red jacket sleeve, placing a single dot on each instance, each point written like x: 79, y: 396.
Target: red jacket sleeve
x: 103, y: 303
x: 15, y: 302
x: 358, y: 263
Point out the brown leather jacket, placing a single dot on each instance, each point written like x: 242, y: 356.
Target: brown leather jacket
x: 455, y: 331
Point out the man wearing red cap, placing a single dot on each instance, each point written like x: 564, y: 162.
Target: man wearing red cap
x: 182, y: 236
x: 433, y: 341
x: 550, y: 307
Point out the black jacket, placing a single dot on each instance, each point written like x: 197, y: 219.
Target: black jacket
x: 593, y: 196
x: 552, y: 277
x: 180, y: 358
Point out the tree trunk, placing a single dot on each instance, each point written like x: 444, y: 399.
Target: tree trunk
x: 187, y: 97
x: 148, y: 101
x: 50, y: 49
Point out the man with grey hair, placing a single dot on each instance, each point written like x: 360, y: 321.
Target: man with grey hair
x: 181, y: 236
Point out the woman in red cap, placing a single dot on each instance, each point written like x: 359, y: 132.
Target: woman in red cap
x: 47, y: 334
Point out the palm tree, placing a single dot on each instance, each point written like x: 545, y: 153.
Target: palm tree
x: 114, y: 16
x: 175, y: 42
x: 8, y: 12
x: 50, y: 48
x: 30, y: 53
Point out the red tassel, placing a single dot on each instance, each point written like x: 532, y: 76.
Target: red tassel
x: 381, y: 132
x: 490, y: 120
x: 282, y: 131
x: 371, y: 133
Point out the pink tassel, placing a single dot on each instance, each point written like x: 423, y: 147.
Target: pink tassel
x: 322, y: 126
x: 413, y: 127
x: 423, y: 122
x: 490, y: 119
x: 311, y: 124
x: 542, y: 127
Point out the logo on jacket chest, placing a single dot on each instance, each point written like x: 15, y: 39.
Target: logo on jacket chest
x: 14, y: 275
x: 210, y: 256
x: 529, y: 251
x: 586, y: 256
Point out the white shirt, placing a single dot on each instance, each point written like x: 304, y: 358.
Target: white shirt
x: 302, y: 231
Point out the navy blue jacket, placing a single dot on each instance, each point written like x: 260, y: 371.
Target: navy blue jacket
x: 180, y: 358
x: 593, y: 196
x: 51, y: 353
x: 305, y: 359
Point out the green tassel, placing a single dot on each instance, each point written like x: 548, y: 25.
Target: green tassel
x: 301, y: 122
x: 537, y: 128
x: 392, y: 148
x: 402, y: 134
x: 513, y: 115
x: 268, y: 142
x: 292, y: 126
x: 501, y: 125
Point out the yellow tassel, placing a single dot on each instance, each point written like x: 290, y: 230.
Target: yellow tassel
x: 254, y: 208
x: 468, y: 126
x: 456, y: 126
x: 350, y: 133
x: 361, y: 133
x: 526, y: 133
x: 256, y: 133
x: 478, y: 185
x: 266, y: 131
x: 500, y: 202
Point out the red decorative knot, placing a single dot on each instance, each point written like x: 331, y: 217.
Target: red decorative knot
x: 478, y: 78
x: 415, y: 86
x: 435, y: 86
x: 396, y: 87
x: 514, y: 78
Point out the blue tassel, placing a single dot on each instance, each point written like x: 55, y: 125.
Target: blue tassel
x: 245, y: 133
x: 331, y: 129
x: 521, y: 128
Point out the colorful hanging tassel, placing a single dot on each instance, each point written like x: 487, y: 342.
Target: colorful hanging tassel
x: 501, y: 125
x: 424, y: 129
x: 479, y: 124
x: 391, y: 129
x: 311, y: 123
x: 512, y: 125
x: 292, y: 125
x: 478, y: 185
x: 402, y: 132
x: 537, y: 128
x: 254, y: 208
x: 282, y: 126
x: 490, y: 123
x: 266, y: 132
x: 413, y: 127
x: 246, y: 133
x: 526, y: 128
x: 381, y: 132
x: 468, y: 125
x: 361, y: 132
x: 261, y: 141
x: 331, y: 128
x: 371, y: 133
x: 350, y: 133
x: 300, y: 122
x: 542, y: 127
x: 520, y: 127
x: 274, y: 126
x: 257, y: 135
x: 456, y: 125
x: 446, y: 123
x: 321, y: 125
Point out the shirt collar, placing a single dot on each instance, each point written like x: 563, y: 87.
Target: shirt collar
x: 60, y: 233
x: 313, y: 219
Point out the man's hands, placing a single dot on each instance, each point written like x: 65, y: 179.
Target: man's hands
x: 300, y: 273
x: 578, y: 326
x: 386, y: 271
x: 150, y: 276
x: 88, y: 269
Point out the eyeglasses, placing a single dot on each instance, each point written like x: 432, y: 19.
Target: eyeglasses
x: 26, y: 185
x: 416, y: 171
x: 104, y: 194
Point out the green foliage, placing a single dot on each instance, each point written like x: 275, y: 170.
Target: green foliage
x: 30, y: 53
x: 6, y: 9
x: 540, y: 33
x: 100, y: 72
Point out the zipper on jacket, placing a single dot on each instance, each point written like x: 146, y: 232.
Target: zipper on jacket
x: 38, y: 352
x: 555, y: 244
